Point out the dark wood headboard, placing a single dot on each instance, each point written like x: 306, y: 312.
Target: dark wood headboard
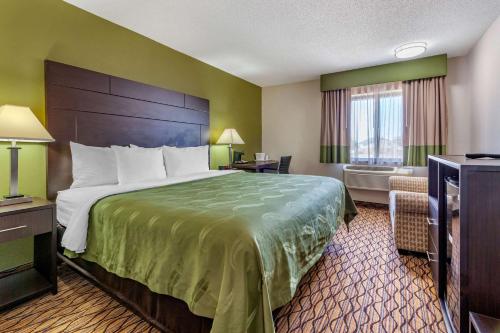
x: 102, y: 110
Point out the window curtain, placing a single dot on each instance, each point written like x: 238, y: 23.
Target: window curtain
x: 425, y: 119
x: 335, y: 106
x: 377, y: 124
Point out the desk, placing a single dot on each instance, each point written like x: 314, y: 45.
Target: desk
x: 257, y: 166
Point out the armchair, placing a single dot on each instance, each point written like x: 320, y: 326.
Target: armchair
x: 408, y: 205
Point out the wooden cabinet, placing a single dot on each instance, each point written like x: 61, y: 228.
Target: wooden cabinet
x: 464, y: 237
x: 37, y: 219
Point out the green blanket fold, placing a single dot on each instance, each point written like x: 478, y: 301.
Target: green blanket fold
x: 232, y: 247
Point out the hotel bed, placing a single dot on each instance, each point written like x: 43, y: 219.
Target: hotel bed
x: 214, y: 251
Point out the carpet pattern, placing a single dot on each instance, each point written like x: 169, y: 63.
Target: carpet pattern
x: 360, y: 284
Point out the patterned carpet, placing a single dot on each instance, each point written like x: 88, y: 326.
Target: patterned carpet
x: 361, y: 284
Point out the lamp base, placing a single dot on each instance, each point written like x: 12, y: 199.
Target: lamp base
x: 14, y: 200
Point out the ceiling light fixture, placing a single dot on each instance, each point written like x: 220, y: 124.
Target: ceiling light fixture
x: 410, y: 50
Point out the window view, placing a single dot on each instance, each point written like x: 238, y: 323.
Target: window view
x: 377, y: 124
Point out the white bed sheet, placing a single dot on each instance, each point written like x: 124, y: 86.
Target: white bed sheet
x: 73, y: 205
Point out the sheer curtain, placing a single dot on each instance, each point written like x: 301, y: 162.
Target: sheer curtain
x: 376, y: 124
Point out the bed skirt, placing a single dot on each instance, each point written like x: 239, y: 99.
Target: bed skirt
x: 166, y: 313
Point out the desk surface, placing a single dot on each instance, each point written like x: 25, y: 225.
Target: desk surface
x: 256, y: 165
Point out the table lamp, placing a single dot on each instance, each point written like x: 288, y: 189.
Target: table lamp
x: 19, y: 124
x: 230, y: 137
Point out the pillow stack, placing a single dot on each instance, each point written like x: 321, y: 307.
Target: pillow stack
x: 94, y: 166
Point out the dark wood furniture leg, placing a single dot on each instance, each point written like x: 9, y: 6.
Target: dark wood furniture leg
x: 45, y: 260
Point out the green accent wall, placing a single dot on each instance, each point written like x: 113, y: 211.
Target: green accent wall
x: 398, y: 71
x: 34, y: 30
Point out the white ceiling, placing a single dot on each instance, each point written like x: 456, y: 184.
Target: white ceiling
x: 270, y: 42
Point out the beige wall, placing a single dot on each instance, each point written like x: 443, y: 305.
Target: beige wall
x: 291, y: 121
x: 484, y: 65
x: 474, y: 96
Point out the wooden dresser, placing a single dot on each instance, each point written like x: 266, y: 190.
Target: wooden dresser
x: 464, y: 237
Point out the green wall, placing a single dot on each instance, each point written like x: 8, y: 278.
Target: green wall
x: 34, y: 30
x: 398, y: 71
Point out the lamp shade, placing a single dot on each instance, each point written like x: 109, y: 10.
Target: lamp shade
x: 230, y: 136
x: 18, y: 123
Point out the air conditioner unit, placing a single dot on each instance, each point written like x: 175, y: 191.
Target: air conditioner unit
x: 371, y: 182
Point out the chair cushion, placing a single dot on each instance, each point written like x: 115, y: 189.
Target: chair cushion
x: 409, y: 202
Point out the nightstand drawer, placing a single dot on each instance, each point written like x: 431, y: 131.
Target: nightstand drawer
x: 7, y: 235
x: 34, y: 223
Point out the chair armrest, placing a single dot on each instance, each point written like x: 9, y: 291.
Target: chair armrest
x: 408, y: 184
x: 409, y: 202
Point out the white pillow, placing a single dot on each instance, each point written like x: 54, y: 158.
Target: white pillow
x: 139, y: 164
x: 92, y: 166
x: 185, y: 161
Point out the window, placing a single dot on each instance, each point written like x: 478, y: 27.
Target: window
x: 377, y: 124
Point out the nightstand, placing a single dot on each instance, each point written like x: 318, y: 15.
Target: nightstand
x: 37, y: 219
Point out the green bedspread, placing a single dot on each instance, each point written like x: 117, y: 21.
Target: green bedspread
x: 232, y: 247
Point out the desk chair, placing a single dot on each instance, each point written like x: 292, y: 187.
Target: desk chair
x: 283, y: 166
